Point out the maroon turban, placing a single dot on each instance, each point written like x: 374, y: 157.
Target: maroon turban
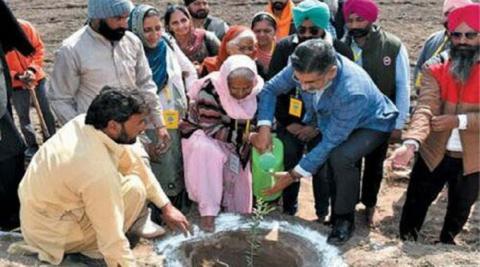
x: 366, y: 9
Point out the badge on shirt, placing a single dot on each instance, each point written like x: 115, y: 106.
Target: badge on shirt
x: 171, y: 118
x: 234, y: 163
x: 295, y: 107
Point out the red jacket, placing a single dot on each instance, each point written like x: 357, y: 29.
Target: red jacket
x: 18, y: 64
x: 442, y: 94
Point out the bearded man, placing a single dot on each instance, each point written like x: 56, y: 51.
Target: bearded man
x: 85, y: 188
x: 102, y: 53
x: 445, y: 130
x: 199, y: 9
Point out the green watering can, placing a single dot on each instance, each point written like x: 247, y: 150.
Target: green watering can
x: 263, y: 167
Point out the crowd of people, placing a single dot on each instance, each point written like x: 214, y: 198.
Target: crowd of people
x: 157, y: 112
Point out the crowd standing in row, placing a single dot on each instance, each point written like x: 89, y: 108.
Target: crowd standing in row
x: 156, y: 115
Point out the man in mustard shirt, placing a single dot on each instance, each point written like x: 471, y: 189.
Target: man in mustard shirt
x: 86, y: 186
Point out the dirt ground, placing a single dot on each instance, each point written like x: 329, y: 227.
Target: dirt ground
x: 413, y: 22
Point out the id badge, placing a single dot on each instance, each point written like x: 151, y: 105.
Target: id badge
x: 234, y: 163
x: 295, y: 107
x: 171, y: 118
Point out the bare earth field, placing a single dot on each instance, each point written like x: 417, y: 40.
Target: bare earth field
x: 413, y: 21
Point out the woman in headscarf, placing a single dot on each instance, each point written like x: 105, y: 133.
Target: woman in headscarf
x: 170, y: 67
x: 239, y: 40
x: 264, y: 26
x: 222, y: 107
x: 196, y: 44
x: 12, y: 165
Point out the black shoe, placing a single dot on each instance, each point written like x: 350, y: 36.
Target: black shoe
x: 341, y: 232
x: 369, y: 213
x: 445, y: 242
x: 408, y: 236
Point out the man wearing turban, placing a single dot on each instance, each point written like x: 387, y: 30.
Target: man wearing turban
x: 199, y: 10
x: 445, y: 130
x: 311, y: 19
x: 385, y: 59
x: 437, y: 42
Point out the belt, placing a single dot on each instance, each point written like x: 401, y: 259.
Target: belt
x: 454, y: 154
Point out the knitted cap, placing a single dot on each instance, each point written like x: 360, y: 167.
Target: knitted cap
x: 102, y: 9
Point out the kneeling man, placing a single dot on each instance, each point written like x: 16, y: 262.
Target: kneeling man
x: 86, y: 187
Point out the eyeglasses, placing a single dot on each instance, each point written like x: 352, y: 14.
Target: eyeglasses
x: 468, y: 35
x: 313, y: 30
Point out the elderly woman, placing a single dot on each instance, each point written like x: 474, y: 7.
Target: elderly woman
x: 218, y: 125
x: 239, y: 40
x: 170, y: 67
x: 264, y: 26
x: 196, y: 44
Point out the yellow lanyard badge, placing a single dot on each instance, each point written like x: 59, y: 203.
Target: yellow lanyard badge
x: 295, y: 107
x: 171, y: 118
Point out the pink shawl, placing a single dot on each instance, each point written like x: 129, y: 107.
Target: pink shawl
x: 237, y: 109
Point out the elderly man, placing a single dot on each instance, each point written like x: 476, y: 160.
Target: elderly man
x: 311, y: 19
x: 86, y: 187
x: 102, y: 53
x: 349, y: 111
x: 437, y: 42
x: 445, y: 130
x: 385, y: 59
x: 199, y: 10
x: 12, y: 165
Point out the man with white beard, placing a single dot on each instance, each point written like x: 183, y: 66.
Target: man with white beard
x: 445, y: 130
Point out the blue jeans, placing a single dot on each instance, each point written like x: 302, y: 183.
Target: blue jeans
x: 21, y: 102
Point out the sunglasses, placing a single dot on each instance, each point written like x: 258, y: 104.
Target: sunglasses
x: 468, y: 35
x: 313, y: 30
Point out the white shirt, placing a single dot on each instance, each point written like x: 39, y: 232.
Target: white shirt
x: 87, y: 61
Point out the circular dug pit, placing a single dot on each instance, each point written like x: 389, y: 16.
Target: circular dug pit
x: 281, y: 244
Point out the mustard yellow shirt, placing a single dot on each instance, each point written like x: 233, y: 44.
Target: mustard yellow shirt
x: 78, y: 172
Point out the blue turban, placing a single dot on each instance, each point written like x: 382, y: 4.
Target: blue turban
x: 313, y: 10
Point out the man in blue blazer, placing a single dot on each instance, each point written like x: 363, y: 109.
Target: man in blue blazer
x: 349, y: 111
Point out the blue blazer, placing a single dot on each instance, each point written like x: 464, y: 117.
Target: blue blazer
x: 351, y: 102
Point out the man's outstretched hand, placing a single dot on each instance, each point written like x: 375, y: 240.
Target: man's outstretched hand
x: 175, y: 219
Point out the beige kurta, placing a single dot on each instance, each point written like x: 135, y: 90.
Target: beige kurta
x: 74, y: 195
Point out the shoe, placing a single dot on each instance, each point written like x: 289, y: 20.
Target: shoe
x: 406, y: 235
x: 342, y: 231
x: 151, y: 230
x: 145, y: 228
x: 445, y: 242
x: 369, y: 213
